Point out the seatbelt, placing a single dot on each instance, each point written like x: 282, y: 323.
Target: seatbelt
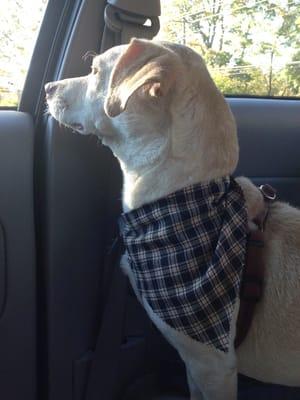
x: 103, y: 371
x: 120, y: 26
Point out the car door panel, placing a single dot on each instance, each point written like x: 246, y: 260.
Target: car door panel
x: 17, y: 258
x: 2, y: 270
x: 269, y: 137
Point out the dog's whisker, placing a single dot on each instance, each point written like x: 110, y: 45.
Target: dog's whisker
x: 101, y: 96
x: 89, y: 54
x: 46, y: 112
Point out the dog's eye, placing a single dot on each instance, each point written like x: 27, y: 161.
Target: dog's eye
x: 94, y: 70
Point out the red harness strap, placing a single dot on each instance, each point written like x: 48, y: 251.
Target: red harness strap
x: 253, y: 275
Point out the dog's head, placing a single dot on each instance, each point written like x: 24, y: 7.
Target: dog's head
x: 149, y: 102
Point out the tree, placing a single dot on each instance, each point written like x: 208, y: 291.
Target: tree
x: 19, y: 24
x: 293, y: 75
x: 244, y: 43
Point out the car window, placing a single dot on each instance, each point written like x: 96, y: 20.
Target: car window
x: 251, y: 47
x: 20, y: 21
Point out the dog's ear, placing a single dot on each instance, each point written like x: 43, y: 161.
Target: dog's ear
x: 143, y: 64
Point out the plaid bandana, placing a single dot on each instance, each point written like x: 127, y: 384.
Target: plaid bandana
x: 187, y: 253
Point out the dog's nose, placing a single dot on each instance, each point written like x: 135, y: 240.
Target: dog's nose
x: 50, y: 89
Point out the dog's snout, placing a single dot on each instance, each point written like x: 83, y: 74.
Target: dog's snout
x: 50, y: 89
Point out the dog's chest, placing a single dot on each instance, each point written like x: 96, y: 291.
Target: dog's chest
x: 187, y: 253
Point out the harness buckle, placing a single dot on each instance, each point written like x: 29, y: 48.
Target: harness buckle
x: 268, y: 192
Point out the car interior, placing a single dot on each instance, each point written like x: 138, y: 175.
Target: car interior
x: 71, y: 327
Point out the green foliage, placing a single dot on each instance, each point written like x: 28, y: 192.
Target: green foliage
x: 217, y: 58
x: 293, y: 75
x: 19, y: 25
x: 8, y: 99
x: 241, y: 82
x: 250, y: 46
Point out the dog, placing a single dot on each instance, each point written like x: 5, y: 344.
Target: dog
x: 156, y: 107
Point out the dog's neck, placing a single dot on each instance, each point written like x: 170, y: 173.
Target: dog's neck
x: 197, y: 145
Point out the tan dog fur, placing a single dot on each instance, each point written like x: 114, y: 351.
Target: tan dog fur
x: 155, y: 105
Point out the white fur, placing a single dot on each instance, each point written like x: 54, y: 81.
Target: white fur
x: 170, y: 127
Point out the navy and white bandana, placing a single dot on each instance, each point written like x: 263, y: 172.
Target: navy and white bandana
x: 187, y: 253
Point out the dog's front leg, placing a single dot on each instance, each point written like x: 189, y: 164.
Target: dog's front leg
x: 211, y: 373
x: 195, y: 392
x: 211, y: 381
